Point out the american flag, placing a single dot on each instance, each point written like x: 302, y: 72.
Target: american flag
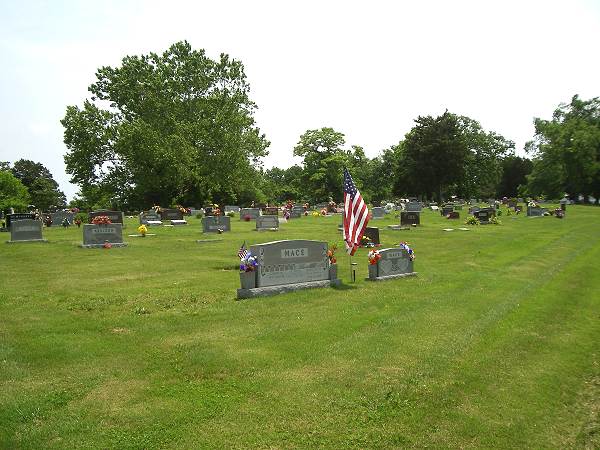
x: 356, y: 214
x: 243, y: 251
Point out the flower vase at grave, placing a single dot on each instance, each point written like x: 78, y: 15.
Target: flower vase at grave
x: 372, y: 271
x: 333, y: 272
x: 248, y: 280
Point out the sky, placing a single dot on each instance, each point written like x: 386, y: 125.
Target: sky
x: 366, y: 69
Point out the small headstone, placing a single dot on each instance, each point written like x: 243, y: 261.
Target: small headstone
x: 410, y: 218
x: 446, y: 209
x: 149, y: 216
x: 232, y: 208
x: 59, y: 217
x: 296, y: 213
x: 171, y: 214
x: 413, y: 206
x: 511, y: 203
x: 95, y: 236
x: 271, y: 211
x: 216, y: 224
x: 378, y: 212
x: 484, y: 215
x: 268, y: 222
x: 114, y: 216
x: 251, y: 213
x: 373, y: 234
x: 394, y: 263
x: 26, y: 230
x: 535, y: 211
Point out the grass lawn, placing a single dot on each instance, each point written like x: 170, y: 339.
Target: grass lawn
x: 495, y: 344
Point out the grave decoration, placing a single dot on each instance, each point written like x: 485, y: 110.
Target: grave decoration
x: 453, y: 215
x: 216, y: 224
x: 103, y: 233
x: 26, y: 230
x: 114, y: 216
x: 285, y: 266
x: 391, y: 263
x: 472, y: 220
x: 267, y: 223
x: 142, y: 229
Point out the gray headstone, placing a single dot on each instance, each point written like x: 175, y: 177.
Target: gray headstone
x: 212, y: 224
x: 59, y: 217
x: 484, y: 215
x: 533, y: 211
x: 378, y: 212
x: 413, y: 207
x: 267, y: 223
x: 26, y: 230
x: 296, y: 213
x: 146, y: 216
x: 18, y: 216
x: 394, y: 261
x: 232, y: 208
x: 294, y: 261
x: 97, y: 235
x: 271, y: 211
x: 114, y: 216
x: 252, y: 213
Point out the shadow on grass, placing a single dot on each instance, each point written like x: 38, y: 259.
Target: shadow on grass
x: 344, y: 286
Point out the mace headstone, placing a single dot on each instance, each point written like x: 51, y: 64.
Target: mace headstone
x: 216, y: 224
x: 26, y: 230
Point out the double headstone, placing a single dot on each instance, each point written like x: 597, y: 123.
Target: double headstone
x: 378, y: 212
x: 285, y: 266
x: 394, y: 263
x: 232, y: 208
x: 216, y: 224
x: 535, y: 211
x: 26, y: 230
x: 95, y: 236
x: 264, y: 223
x: 410, y: 218
x: 249, y: 213
x: 114, y: 216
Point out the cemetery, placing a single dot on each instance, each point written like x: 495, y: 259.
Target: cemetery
x: 203, y: 273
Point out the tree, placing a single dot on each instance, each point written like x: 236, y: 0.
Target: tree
x: 42, y: 187
x: 514, y: 174
x: 566, y: 151
x: 324, y: 162
x: 165, y: 129
x: 433, y: 158
x: 483, y: 163
x: 13, y: 194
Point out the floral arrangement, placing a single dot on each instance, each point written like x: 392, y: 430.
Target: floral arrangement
x: 157, y: 209
x: 494, y: 220
x: 315, y: 214
x: 286, y: 214
x: 143, y: 229
x: 246, y: 218
x: 472, y: 220
x: 411, y: 253
x: 374, y: 256
x: 367, y: 242
x: 249, y: 263
x: 101, y: 220
x: 324, y: 212
x: 331, y: 254
x: 107, y: 244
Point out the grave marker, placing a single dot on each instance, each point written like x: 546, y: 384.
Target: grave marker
x: 267, y: 223
x: 252, y: 213
x: 95, y: 236
x: 114, y: 216
x: 171, y: 214
x: 26, y: 230
x: 378, y: 212
x: 214, y: 224
x: 410, y: 218
x: 394, y: 263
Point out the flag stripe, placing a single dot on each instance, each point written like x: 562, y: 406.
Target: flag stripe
x: 356, y: 214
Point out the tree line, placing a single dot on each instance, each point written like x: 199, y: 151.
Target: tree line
x: 178, y: 128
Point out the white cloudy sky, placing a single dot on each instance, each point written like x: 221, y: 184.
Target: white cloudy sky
x: 367, y: 69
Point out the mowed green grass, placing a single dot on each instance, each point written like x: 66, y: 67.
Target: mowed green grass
x: 495, y: 344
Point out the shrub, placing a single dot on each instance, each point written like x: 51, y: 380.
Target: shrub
x: 494, y: 220
x: 472, y: 220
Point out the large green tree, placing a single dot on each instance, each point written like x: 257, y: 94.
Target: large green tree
x: 42, y: 187
x: 13, y: 193
x: 514, y: 176
x: 324, y: 159
x: 566, y: 151
x: 433, y: 157
x: 163, y: 129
